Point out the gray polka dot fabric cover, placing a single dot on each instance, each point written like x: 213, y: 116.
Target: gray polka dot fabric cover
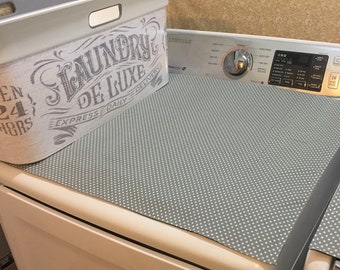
x: 231, y: 161
x: 327, y: 237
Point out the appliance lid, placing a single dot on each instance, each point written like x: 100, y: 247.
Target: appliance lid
x: 238, y: 163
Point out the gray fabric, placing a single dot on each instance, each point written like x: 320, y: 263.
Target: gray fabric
x: 231, y: 161
x: 327, y: 237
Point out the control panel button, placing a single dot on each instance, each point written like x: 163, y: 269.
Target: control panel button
x: 300, y: 84
x: 336, y: 60
x: 274, y: 80
x: 318, y: 67
x: 320, y: 58
x: 315, y: 76
x: 333, y: 82
x: 314, y: 86
x: 287, y: 82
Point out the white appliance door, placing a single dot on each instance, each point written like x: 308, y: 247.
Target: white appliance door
x: 43, y: 238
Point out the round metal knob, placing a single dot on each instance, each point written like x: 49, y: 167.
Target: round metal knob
x: 237, y: 62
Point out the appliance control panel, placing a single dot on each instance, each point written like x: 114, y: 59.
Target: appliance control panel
x: 307, y: 66
x: 298, y: 70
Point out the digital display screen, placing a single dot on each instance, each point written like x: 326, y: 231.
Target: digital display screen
x: 304, y: 59
x: 293, y: 58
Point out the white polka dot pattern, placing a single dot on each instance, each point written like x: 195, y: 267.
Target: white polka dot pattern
x: 230, y: 161
x: 327, y: 237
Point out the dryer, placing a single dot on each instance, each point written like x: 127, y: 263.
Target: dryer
x: 216, y: 170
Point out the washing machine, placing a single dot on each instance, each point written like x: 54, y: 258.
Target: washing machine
x: 232, y: 165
